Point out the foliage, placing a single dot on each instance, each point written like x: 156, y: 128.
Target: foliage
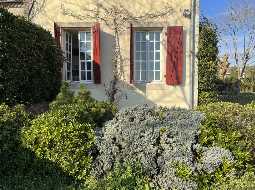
x: 207, y: 56
x: 242, y: 98
x: 65, y: 96
x: 58, y: 136
x: 30, y: 61
x: 154, y: 137
x: 127, y: 176
x: 87, y: 108
x: 244, y: 182
x: 229, y: 126
x: 11, y: 122
x: 20, y: 169
x: 207, y: 97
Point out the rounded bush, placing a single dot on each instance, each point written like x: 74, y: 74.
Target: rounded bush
x: 231, y: 127
x: 12, y: 120
x: 58, y: 136
x: 158, y: 138
x: 30, y: 61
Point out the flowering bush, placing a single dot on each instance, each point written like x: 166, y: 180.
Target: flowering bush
x: 154, y: 137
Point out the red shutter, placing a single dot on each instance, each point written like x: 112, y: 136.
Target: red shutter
x: 131, y: 54
x: 174, y: 60
x: 57, y: 34
x: 96, y: 53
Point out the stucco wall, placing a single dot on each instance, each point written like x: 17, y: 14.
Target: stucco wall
x: 158, y: 93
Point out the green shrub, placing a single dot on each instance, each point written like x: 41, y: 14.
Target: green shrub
x: 20, y: 169
x: 88, y: 109
x: 11, y: 123
x: 30, y: 61
x: 65, y: 96
x: 207, y: 97
x: 242, y: 98
x: 230, y: 126
x: 244, y: 182
x: 127, y: 176
x: 58, y: 136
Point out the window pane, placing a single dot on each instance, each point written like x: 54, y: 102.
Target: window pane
x: 143, y: 75
x: 143, y: 46
x: 143, y: 66
x: 151, y: 65
x: 151, y: 46
x: 83, y: 75
x: 82, y: 46
x: 157, y: 46
x: 137, y: 36
x: 143, y: 36
x: 157, y: 56
x: 137, y: 47
x: 68, y: 66
x: 137, y: 75
x: 151, y: 55
x: 82, y: 65
x: 82, y: 55
x: 82, y: 36
x: 88, y: 36
x: 157, y: 65
x: 143, y: 56
x: 137, y: 65
x: 157, y: 75
x: 89, y: 76
x: 88, y: 57
x: 68, y: 75
x: 157, y: 36
x: 150, y: 75
x: 89, y: 66
x: 88, y: 46
x: 151, y: 36
x: 137, y: 56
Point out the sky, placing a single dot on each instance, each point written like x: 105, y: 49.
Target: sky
x: 216, y: 10
x: 213, y: 8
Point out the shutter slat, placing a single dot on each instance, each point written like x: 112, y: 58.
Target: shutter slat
x: 174, y: 60
x: 131, y: 54
x: 96, y: 53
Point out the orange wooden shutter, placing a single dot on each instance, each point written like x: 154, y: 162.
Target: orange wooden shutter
x: 57, y: 34
x: 96, y: 53
x: 174, y: 60
x: 131, y: 54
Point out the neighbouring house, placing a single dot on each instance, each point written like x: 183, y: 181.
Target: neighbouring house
x: 150, y: 45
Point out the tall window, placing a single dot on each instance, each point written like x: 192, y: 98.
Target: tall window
x: 68, y: 56
x: 85, y: 56
x: 147, y: 56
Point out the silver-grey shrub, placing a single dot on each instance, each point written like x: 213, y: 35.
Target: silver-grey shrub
x: 213, y: 157
x: 156, y: 137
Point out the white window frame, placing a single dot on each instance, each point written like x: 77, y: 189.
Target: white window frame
x: 91, y: 60
x: 69, y: 51
x: 147, y: 56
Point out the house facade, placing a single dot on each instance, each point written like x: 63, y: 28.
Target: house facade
x: 150, y: 46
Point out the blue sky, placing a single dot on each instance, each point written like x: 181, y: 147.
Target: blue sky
x: 213, y: 8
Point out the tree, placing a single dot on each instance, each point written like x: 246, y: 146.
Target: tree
x: 207, y: 56
x: 238, y: 34
x: 117, y: 18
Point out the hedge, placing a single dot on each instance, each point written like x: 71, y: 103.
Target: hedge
x: 30, y: 61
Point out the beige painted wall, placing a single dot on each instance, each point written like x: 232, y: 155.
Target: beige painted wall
x: 184, y: 95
